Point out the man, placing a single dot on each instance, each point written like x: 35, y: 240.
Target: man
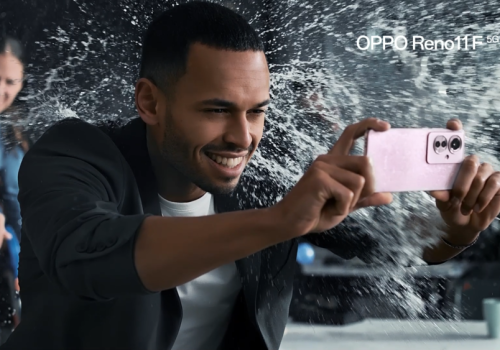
x: 120, y: 250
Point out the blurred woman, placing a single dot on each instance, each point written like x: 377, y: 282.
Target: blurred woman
x: 13, y: 146
x: 13, y: 143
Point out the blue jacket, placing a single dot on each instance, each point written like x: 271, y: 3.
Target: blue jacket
x: 10, y: 162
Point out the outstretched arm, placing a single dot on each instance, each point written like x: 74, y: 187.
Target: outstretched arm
x: 75, y: 190
x: 73, y: 185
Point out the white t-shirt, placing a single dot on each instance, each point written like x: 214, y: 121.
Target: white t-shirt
x: 207, y: 301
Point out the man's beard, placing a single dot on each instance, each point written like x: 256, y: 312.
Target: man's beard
x: 175, y: 151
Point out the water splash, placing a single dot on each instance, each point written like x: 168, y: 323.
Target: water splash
x: 321, y: 82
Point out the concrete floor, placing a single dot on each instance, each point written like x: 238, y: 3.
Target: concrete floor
x: 390, y: 335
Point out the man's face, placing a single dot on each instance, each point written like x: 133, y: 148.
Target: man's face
x: 215, y: 120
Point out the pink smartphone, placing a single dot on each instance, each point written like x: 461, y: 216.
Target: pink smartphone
x: 407, y: 160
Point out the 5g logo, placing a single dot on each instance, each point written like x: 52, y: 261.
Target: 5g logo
x: 492, y: 39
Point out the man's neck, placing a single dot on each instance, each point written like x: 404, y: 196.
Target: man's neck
x: 177, y: 194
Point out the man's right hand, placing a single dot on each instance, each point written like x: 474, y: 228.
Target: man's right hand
x: 335, y: 185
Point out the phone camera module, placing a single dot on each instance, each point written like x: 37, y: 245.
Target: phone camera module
x: 440, y: 144
x: 455, y: 143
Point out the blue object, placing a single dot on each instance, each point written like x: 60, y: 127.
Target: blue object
x: 10, y: 162
x: 14, y: 249
x: 305, y: 254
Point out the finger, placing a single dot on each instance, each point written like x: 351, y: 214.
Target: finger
x: 338, y: 198
x: 447, y: 205
x: 490, y: 190
x: 454, y: 124
x: 355, y: 164
x: 490, y: 212
x: 354, y: 182
x: 483, y: 173
x: 354, y: 131
x: 375, y: 200
x: 7, y: 235
x: 464, y: 179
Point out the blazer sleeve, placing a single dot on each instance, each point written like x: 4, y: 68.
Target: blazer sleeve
x: 348, y: 241
x: 72, y: 183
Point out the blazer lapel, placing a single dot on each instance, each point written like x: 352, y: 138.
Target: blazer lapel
x: 249, y: 267
x: 133, y: 145
x: 131, y: 139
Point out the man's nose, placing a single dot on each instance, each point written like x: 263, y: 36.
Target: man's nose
x: 238, y: 131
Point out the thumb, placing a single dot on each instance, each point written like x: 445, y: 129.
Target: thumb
x: 375, y: 200
x: 442, y: 200
x: 442, y: 196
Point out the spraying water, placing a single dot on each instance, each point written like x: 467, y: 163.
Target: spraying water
x: 321, y: 82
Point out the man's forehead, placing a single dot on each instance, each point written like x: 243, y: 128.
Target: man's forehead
x: 226, y: 75
x: 205, y: 58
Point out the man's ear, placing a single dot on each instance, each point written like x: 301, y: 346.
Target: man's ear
x: 147, y: 97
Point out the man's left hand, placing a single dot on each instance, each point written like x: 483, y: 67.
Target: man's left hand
x: 474, y: 202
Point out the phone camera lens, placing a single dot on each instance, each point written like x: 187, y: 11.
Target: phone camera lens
x: 439, y: 144
x: 455, y: 144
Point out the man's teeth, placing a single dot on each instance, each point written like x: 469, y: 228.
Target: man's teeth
x: 228, y: 162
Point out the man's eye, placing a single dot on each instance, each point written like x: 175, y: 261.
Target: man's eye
x: 258, y: 111
x: 219, y: 110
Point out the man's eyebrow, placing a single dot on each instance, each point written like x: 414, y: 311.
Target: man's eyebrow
x: 228, y: 104
x: 263, y: 103
x: 218, y: 102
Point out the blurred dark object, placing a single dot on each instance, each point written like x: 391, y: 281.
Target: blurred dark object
x: 328, y: 300
x: 10, y: 303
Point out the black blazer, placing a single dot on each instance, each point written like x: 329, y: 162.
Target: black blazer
x: 84, y: 192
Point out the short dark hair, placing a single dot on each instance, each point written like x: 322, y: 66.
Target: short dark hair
x: 9, y: 44
x: 169, y: 37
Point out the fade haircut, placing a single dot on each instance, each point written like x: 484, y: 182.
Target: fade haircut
x: 169, y: 37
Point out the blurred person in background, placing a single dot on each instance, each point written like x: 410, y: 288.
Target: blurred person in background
x: 13, y: 145
x: 13, y: 141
